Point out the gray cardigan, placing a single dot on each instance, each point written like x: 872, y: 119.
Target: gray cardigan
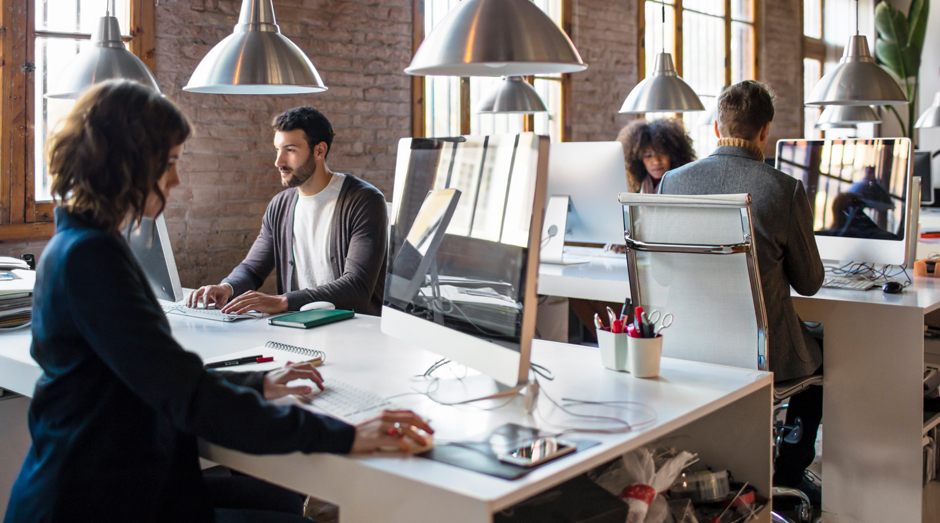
x: 358, y: 245
x: 786, y: 246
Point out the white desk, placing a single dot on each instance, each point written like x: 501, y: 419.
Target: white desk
x: 873, y: 359
x: 721, y: 413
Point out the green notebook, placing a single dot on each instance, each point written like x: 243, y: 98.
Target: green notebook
x: 308, y: 319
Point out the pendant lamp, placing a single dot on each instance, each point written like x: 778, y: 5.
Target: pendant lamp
x: 930, y: 117
x: 255, y: 59
x: 496, y: 38
x: 102, y: 58
x: 664, y: 90
x: 513, y: 95
x: 849, y: 115
x: 857, y: 79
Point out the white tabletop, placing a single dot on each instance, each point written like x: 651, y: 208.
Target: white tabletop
x: 358, y: 352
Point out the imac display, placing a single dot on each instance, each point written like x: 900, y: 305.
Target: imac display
x: 151, y: 248
x: 858, y: 190
x: 592, y: 174
x: 463, y: 249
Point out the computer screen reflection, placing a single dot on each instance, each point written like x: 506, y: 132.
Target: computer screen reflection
x: 479, y: 191
x: 856, y: 187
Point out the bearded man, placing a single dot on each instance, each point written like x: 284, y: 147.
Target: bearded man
x: 325, y: 236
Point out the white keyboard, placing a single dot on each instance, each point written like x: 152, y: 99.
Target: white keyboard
x: 347, y: 402
x: 207, y: 314
x: 836, y: 282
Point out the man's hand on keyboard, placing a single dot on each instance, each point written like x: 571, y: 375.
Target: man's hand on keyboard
x: 275, y: 381
x: 394, y: 428
x: 256, y: 301
x: 216, y: 294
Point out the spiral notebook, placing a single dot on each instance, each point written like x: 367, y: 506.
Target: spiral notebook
x: 281, y: 352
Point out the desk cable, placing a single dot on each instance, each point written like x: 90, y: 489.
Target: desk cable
x: 870, y: 272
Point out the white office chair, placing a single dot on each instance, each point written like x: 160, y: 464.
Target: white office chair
x: 693, y: 256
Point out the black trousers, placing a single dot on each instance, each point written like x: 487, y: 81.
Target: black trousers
x: 795, y: 457
x: 239, y: 498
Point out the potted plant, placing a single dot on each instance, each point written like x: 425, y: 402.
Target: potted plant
x: 898, y: 47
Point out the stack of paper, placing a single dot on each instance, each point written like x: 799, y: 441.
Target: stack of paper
x: 16, y: 292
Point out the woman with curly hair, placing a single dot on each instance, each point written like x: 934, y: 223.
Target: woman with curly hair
x: 652, y: 148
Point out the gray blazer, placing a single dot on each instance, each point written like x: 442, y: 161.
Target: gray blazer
x: 786, y: 247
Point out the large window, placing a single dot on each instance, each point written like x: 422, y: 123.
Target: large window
x: 41, y: 38
x: 444, y: 105
x: 814, y: 55
x: 713, y: 43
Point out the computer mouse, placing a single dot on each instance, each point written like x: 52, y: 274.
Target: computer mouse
x: 892, y: 287
x: 318, y: 305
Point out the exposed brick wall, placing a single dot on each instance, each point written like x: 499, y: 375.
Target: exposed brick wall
x: 781, y: 67
x: 604, y: 31
x: 359, y: 48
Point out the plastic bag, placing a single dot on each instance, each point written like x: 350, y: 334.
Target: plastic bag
x: 641, y: 484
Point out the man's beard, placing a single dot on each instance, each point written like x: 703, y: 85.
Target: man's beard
x: 301, y: 174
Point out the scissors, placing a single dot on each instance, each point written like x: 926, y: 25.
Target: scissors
x: 655, y: 316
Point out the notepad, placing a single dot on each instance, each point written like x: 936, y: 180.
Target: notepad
x: 309, y: 319
x: 281, y: 352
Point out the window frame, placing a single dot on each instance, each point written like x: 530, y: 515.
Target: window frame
x: 677, y: 43
x: 418, y: 103
x: 22, y: 218
x: 814, y: 49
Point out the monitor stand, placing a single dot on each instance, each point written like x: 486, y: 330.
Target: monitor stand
x: 552, y: 248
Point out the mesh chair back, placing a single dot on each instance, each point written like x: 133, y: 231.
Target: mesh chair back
x: 693, y: 256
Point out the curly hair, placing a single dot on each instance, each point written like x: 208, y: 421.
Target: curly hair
x: 667, y: 136
x: 112, y: 149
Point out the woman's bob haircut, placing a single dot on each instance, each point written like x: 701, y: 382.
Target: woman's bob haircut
x: 109, y: 153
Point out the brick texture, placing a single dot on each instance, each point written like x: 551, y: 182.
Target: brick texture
x: 604, y: 31
x: 781, y: 67
x: 360, y: 48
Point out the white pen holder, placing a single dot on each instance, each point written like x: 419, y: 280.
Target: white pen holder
x: 643, y: 355
x: 613, y: 350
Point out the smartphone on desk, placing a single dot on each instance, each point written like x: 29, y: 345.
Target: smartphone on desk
x: 538, y: 451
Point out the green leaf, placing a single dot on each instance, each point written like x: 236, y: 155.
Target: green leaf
x: 890, y: 57
x: 917, y: 23
x: 891, y: 24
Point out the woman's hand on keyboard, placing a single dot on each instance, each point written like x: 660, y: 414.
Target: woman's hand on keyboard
x: 275, y: 381
x: 394, y: 428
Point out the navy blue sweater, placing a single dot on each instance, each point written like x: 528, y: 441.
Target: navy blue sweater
x: 116, y: 413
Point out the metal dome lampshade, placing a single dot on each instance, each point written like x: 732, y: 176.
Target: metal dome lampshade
x: 663, y: 91
x: 102, y: 58
x: 496, y: 38
x: 255, y: 59
x: 930, y: 117
x: 513, y: 95
x: 857, y: 80
x: 849, y: 115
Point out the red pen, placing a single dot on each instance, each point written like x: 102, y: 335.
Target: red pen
x: 638, y: 313
x: 631, y: 331
x: 265, y: 360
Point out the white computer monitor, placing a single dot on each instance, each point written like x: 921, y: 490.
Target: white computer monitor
x: 859, y: 190
x: 476, y: 301
x: 154, y: 253
x: 584, y: 181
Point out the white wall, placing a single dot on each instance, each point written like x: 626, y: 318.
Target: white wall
x: 930, y: 81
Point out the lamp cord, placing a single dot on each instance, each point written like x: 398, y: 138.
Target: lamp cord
x: 664, y: 26
x: 856, y: 17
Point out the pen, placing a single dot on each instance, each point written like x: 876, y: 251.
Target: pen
x: 625, y: 309
x: 240, y: 361
x: 638, y: 312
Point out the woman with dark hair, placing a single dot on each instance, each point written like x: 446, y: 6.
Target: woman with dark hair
x: 652, y: 148
x: 115, y: 415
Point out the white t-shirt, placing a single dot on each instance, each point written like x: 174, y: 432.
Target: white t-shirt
x: 313, y: 217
